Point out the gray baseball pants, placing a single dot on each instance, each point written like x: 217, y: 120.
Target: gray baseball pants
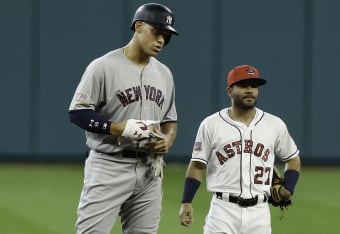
x: 114, y: 185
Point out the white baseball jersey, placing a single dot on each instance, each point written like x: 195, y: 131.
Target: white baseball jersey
x: 240, y: 158
x: 119, y: 90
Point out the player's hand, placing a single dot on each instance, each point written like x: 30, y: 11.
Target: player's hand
x: 284, y: 193
x: 186, y: 214
x: 159, y: 145
x: 136, y: 130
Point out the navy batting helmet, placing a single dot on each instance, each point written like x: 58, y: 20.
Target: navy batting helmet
x: 155, y: 14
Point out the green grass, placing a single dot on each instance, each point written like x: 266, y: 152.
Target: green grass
x: 42, y: 199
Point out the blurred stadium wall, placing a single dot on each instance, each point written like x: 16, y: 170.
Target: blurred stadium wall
x: 46, y: 45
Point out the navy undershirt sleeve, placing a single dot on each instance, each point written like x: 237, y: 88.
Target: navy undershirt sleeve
x: 90, y: 120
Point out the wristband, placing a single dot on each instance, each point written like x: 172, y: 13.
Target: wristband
x: 90, y: 120
x: 291, y: 177
x: 191, y: 186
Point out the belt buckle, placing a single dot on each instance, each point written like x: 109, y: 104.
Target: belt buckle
x: 242, y: 202
x: 247, y: 202
x: 133, y: 154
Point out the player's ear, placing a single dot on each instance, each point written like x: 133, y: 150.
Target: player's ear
x: 138, y: 26
x: 229, y: 91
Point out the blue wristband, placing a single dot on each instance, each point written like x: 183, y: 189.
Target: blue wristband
x: 291, y: 177
x: 90, y: 120
x: 191, y: 186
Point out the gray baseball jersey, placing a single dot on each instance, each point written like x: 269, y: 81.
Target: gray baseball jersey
x: 119, y: 90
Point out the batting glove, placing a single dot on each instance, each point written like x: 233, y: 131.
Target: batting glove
x: 138, y: 129
x: 158, y: 166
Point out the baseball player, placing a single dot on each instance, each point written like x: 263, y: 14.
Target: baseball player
x: 237, y: 146
x: 126, y: 103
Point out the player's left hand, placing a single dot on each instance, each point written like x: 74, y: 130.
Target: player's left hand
x: 280, y: 196
x: 159, y: 144
x: 285, y: 194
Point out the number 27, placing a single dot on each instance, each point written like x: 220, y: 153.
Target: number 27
x: 260, y: 174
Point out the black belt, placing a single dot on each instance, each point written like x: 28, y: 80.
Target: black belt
x: 243, y: 202
x: 129, y: 154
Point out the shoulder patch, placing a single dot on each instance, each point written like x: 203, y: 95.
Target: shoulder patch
x: 81, y: 98
x: 198, y: 146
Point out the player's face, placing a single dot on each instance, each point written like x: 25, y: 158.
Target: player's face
x: 152, y: 39
x: 244, y: 94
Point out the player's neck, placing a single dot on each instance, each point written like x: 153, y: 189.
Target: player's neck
x: 135, y: 55
x: 242, y: 115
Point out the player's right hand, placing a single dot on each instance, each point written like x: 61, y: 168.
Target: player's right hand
x: 186, y: 214
x: 135, y: 130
